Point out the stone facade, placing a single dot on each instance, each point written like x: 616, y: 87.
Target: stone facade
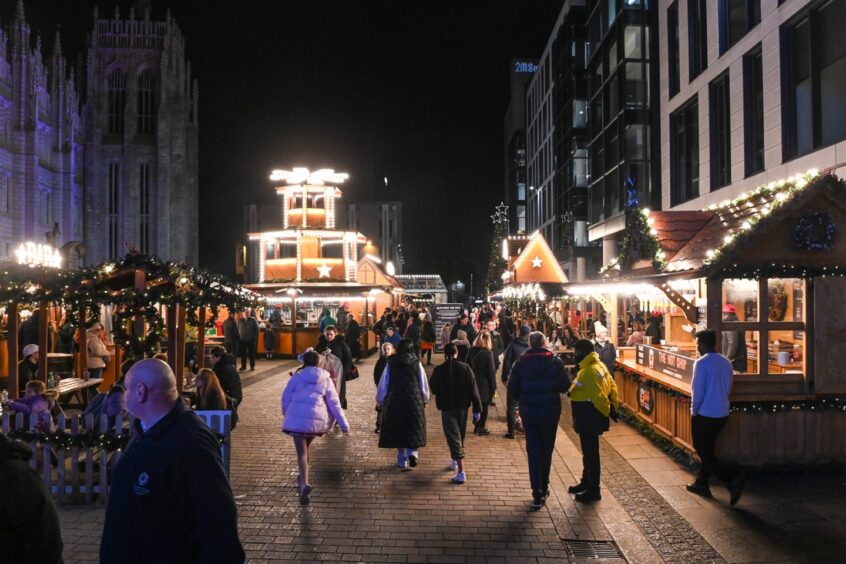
x: 114, y: 171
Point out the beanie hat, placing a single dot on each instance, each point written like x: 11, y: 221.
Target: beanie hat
x: 524, y: 330
x: 583, y: 345
x: 598, y: 328
x: 29, y: 350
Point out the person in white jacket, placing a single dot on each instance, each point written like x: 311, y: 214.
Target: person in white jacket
x: 98, y: 354
x: 310, y: 407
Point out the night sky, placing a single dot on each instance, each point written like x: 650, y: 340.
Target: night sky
x: 412, y: 90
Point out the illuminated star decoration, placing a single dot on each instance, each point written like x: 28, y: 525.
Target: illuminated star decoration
x: 501, y: 215
x: 324, y: 270
x: 536, y: 262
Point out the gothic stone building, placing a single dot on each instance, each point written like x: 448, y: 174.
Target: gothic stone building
x: 115, y: 171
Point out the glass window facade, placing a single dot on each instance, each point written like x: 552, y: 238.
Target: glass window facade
x: 720, y: 130
x: 814, y: 78
x: 737, y: 17
x: 673, y: 61
x: 753, y: 111
x: 697, y: 36
x: 684, y: 153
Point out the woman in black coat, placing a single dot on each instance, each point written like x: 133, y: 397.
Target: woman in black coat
x: 353, y: 337
x: 402, y: 394
x: 481, y: 360
x: 386, y: 350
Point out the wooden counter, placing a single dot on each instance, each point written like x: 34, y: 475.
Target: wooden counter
x: 289, y: 344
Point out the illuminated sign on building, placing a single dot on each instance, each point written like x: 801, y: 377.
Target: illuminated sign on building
x: 524, y: 67
x: 38, y: 254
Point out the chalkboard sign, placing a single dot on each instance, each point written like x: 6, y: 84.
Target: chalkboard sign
x: 672, y: 364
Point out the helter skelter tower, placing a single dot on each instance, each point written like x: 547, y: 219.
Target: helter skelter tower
x: 308, y: 250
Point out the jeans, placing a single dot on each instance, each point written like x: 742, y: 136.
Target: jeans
x: 483, y: 418
x: 248, y: 349
x: 540, y: 444
x: 92, y: 373
x: 705, y: 431
x: 512, y: 406
x: 590, y: 460
x: 231, y: 347
x: 454, y: 422
x: 404, y: 453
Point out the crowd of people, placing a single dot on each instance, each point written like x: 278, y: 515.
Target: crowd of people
x: 170, y: 484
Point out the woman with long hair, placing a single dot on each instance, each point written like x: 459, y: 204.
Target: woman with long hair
x: 310, y: 407
x: 385, y: 352
x: 210, y: 396
x: 480, y: 358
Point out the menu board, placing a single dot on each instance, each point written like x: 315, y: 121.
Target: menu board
x: 441, y: 314
x: 672, y: 364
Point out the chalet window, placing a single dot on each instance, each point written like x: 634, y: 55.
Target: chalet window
x: 771, y: 318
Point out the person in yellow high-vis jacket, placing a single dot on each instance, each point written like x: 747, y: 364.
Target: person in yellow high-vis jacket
x: 593, y: 396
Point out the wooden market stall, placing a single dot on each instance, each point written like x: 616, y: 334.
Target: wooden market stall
x: 765, y: 271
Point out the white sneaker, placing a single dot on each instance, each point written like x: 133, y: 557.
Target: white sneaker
x: 403, y: 464
x: 459, y: 478
x: 453, y: 465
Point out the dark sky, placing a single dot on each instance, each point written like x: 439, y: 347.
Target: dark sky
x: 412, y: 90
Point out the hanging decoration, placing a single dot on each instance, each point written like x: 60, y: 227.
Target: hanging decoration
x: 498, y: 263
x: 815, y: 231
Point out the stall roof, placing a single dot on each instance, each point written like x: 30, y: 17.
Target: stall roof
x: 429, y: 283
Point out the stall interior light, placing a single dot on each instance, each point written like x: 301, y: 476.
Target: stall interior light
x: 311, y: 299
x: 524, y: 292
x: 621, y: 288
x: 38, y: 254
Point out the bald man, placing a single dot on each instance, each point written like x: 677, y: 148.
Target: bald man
x: 170, y: 500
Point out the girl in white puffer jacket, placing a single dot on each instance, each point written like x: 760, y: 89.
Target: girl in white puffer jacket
x: 310, y: 406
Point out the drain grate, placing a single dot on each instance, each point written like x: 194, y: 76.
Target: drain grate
x: 592, y: 549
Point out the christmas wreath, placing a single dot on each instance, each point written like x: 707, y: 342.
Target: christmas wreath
x: 815, y: 231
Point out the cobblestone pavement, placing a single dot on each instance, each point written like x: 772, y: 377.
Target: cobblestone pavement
x: 364, y: 509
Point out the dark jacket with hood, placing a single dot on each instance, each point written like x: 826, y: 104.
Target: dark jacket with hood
x: 469, y: 329
x: 170, y: 500
x: 229, y: 378
x: 537, y: 380
x: 513, y: 351
x: 481, y: 361
x: 454, y: 386
x: 29, y: 525
x: 404, y: 409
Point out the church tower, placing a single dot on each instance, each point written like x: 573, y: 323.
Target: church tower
x: 141, y: 140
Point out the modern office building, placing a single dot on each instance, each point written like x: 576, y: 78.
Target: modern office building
x: 521, y: 71
x: 622, y: 121
x: 113, y: 172
x: 751, y: 92
x: 381, y: 222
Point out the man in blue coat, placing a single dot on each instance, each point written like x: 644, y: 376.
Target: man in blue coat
x: 537, y: 380
x: 170, y: 500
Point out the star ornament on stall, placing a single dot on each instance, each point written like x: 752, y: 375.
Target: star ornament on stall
x: 501, y: 215
x: 324, y: 270
x: 536, y: 262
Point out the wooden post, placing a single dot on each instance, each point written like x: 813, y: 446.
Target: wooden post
x: 171, y: 337
x: 12, y: 344
x: 715, y: 309
x: 43, y: 312
x: 83, y: 344
x: 201, y: 339
x: 180, y: 347
x: 138, y: 328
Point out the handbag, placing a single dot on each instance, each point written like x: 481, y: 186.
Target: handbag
x: 352, y: 374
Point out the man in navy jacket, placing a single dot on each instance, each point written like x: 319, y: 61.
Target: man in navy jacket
x: 170, y: 500
x: 537, y: 380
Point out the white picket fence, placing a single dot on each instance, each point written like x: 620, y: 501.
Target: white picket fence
x: 77, y: 472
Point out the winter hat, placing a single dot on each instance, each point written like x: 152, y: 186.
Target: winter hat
x: 525, y: 330
x: 30, y: 350
x: 599, y: 328
x: 584, y: 346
